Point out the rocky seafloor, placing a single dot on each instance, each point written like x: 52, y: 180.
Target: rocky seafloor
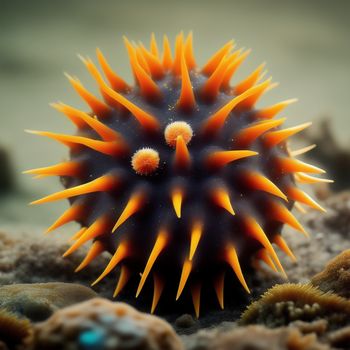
x: 44, y: 304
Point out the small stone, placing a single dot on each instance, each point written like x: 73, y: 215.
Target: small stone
x: 92, y: 340
x: 185, y: 321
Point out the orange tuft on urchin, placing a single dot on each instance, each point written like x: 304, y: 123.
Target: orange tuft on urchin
x: 180, y: 176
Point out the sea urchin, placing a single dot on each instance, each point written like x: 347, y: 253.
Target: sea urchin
x: 180, y: 175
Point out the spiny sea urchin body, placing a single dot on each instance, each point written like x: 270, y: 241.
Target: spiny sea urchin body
x: 179, y: 177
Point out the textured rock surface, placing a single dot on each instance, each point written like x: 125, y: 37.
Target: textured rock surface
x: 101, y: 324
x: 254, y: 338
x: 329, y: 236
x: 336, y: 276
x: 34, y: 258
x: 38, y: 301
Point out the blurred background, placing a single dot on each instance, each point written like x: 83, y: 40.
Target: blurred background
x: 305, y: 44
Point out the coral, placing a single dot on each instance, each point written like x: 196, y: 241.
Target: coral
x: 336, y: 276
x: 181, y: 175
x: 102, y: 324
x: 38, y: 301
x: 15, y: 333
x: 285, y: 303
x: 254, y: 338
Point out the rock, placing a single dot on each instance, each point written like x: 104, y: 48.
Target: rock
x: 38, y: 301
x: 336, y: 276
x: 185, y: 321
x: 254, y: 338
x: 15, y: 332
x: 102, y: 324
x: 35, y: 258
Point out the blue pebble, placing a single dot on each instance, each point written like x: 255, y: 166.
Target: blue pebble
x: 92, y: 339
